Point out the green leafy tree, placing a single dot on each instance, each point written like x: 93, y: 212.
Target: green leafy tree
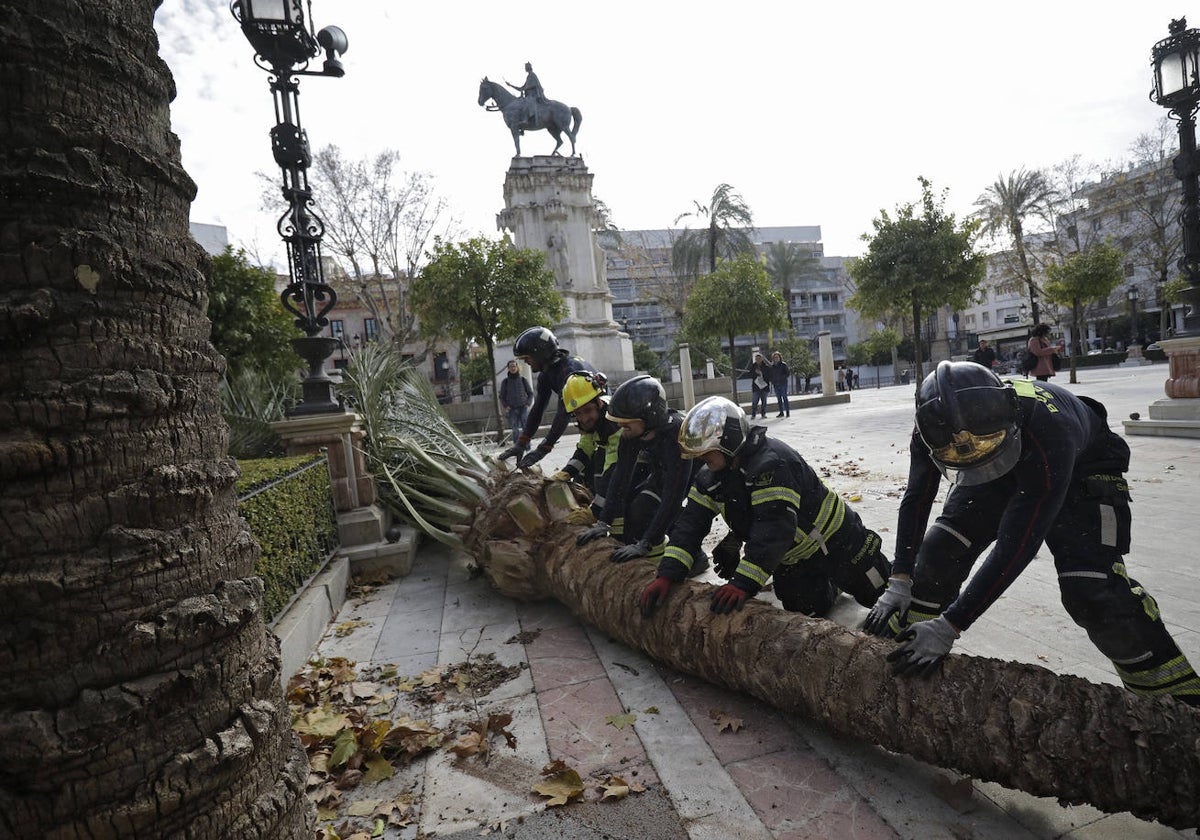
x: 1003, y: 209
x: 788, y: 262
x: 728, y: 227
x: 919, y: 262
x: 646, y: 359
x: 1086, y: 276
x: 734, y: 300
x: 487, y: 291
x: 701, y: 348
x: 250, y: 328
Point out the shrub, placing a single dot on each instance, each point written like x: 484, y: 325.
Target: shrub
x: 288, y: 503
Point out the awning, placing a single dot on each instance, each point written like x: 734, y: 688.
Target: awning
x: 1002, y: 333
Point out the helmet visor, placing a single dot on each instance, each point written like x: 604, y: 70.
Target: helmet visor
x: 971, y: 459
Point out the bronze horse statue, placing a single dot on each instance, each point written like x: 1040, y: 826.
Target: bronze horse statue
x: 526, y: 113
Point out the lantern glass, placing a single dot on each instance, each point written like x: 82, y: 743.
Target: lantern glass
x: 1172, y: 73
x: 282, y: 11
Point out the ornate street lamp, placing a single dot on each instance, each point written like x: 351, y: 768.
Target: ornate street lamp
x: 283, y: 46
x: 1176, y: 64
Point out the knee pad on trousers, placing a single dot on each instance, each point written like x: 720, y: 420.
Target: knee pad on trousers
x: 638, y: 515
x: 865, y: 574
x: 810, y: 592
x: 943, y: 562
x: 1112, y: 611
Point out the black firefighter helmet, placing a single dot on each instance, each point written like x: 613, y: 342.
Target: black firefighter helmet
x: 969, y: 420
x: 538, y: 345
x: 641, y: 398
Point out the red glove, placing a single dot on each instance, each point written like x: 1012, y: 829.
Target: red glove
x: 654, y: 595
x: 728, y: 598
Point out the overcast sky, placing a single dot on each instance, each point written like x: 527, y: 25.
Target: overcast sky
x: 817, y: 114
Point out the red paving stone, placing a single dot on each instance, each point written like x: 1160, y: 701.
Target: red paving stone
x: 797, y: 795
x: 577, y: 731
x: 562, y: 656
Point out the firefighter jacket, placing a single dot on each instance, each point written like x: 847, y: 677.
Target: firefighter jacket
x: 1064, y: 438
x: 594, y: 461
x: 773, y: 501
x: 655, y: 466
x: 550, y: 383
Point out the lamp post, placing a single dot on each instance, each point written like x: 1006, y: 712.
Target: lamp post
x: 1133, y: 325
x: 1176, y: 62
x: 283, y: 45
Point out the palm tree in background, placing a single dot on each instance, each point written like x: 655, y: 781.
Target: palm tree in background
x: 788, y: 262
x: 728, y: 231
x: 1004, y: 207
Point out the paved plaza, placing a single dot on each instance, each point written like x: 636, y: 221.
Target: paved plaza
x: 778, y: 777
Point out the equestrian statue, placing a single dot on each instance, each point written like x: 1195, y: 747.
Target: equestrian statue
x: 531, y: 110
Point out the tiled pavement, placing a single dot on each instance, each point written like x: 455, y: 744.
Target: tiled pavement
x: 777, y: 776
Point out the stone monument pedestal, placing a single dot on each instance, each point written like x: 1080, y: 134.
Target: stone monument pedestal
x: 1134, y: 357
x: 1179, y: 414
x: 362, y: 524
x: 549, y: 208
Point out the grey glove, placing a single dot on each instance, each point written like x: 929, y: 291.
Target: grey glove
x: 515, y: 450
x: 532, y: 458
x: 600, y: 529
x: 893, y: 602
x: 924, y: 646
x: 629, y: 552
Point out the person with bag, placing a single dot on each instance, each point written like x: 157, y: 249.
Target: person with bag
x: 1043, y: 353
x: 760, y: 385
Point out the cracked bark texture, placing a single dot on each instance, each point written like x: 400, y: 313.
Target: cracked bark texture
x: 1020, y: 725
x: 139, y: 688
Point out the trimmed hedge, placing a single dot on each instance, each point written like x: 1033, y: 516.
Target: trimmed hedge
x: 288, y: 503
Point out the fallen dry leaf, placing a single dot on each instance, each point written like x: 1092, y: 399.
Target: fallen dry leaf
x: 615, y: 788
x: 621, y: 721
x: 561, y: 787
x: 724, y: 721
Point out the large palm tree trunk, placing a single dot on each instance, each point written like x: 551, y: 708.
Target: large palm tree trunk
x: 1020, y: 725
x: 139, y: 689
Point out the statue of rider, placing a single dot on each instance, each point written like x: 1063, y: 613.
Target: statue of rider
x: 532, y: 86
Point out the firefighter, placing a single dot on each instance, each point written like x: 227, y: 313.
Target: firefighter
x: 651, y: 478
x: 585, y: 397
x: 1029, y: 462
x: 792, y: 525
x: 539, y: 349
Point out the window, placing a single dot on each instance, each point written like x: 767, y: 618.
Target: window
x: 441, y: 368
x: 1129, y: 269
x: 1123, y: 216
x: 987, y: 319
x: 337, y: 329
x: 1097, y: 223
x: 370, y: 329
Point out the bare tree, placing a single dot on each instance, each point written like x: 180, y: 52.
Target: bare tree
x: 379, y: 218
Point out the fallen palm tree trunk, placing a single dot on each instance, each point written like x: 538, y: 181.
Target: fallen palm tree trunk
x: 1020, y: 725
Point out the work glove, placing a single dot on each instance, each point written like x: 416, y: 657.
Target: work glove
x: 533, y: 457
x: 581, y: 516
x: 727, y: 555
x: 600, y: 529
x: 561, y: 475
x: 923, y: 647
x: 654, y: 595
x: 630, y: 552
x: 515, y: 450
x: 728, y: 598
x: 893, y: 602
